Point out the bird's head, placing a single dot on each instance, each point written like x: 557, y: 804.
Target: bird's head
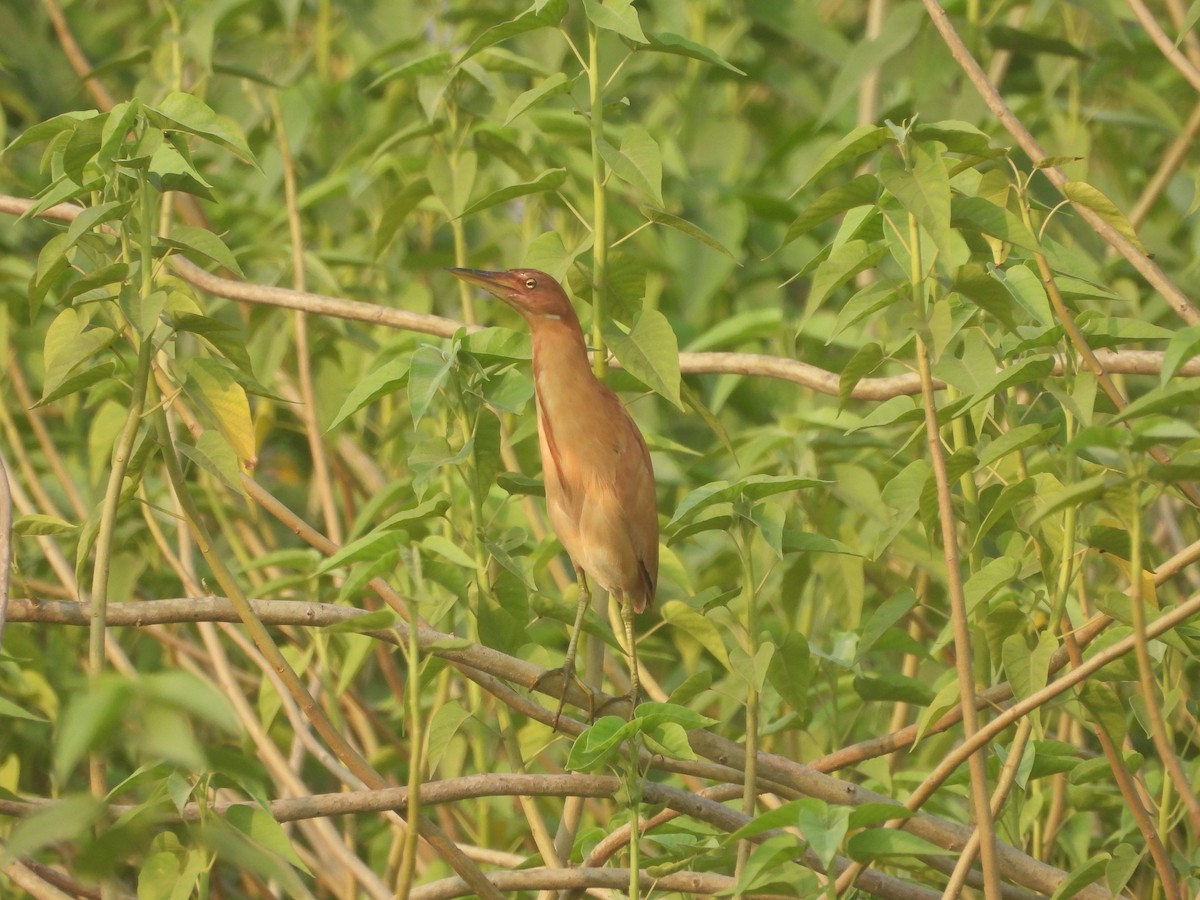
x: 535, y: 295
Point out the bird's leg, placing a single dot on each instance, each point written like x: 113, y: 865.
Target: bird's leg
x: 630, y: 657
x: 568, y: 667
x: 631, y: 647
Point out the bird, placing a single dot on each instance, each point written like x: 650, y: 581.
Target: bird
x: 600, y: 488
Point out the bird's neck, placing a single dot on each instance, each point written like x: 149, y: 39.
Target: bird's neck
x: 558, y: 347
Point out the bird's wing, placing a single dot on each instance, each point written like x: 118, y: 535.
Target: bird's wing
x: 637, y: 496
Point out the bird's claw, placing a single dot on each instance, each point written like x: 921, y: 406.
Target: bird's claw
x: 566, y: 676
x: 625, y: 704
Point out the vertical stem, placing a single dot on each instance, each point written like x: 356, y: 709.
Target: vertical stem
x: 750, y: 771
x: 1158, y: 728
x: 408, y: 857
x: 304, y: 376
x: 116, y: 477
x: 599, y: 202
x: 954, y: 585
x: 635, y: 811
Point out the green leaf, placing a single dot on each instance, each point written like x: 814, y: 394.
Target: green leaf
x: 44, y: 131
x: 785, y: 816
x: 986, y: 581
x: 542, y: 14
x: 944, y: 700
x: 877, y: 813
x: 63, y: 821
x: 599, y: 743
x: 433, y: 508
x: 1010, y: 496
x: 188, y: 113
x: 1077, y: 494
x: 110, y: 273
x: 1106, y: 708
x: 214, y: 454
x: 925, y: 192
x: 983, y: 215
x: 847, y: 149
x: 865, y: 361
x: 692, y: 687
x: 752, y: 670
x: 740, y: 328
x: 667, y: 42
x: 862, y: 190
x: 884, y: 617
x: 649, y: 352
x: 1083, y: 194
x: 1082, y: 874
x: 751, y: 488
x: 436, y: 62
x: 695, y: 232
x: 171, y: 170
x: 1169, y: 399
x: 70, y: 343
x: 428, y: 371
x: 618, y: 16
x: 1027, y: 669
x: 40, y: 524
x: 379, y: 620
x: 637, y: 163
x: 687, y: 621
x: 442, y: 728
x: 398, y: 210
x: 902, y: 494
x: 550, y: 180
x: 10, y: 710
x: 770, y: 863
x: 227, y: 339
x: 369, y: 547
x: 386, y: 379
x: 669, y: 740
x: 190, y: 693
x: 824, y: 827
x: 1026, y: 288
x: 557, y: 83
x: 256, y: 823
x: 1005, y: 37
x: 879, y: 843
x: 90, y: 718
x: 452, y: 185
x: 895, y: 688
x: 1184, y: 345
x: 1120, y: 868
x: 791, y: 673
x: 203, y: 243
x: 447, y: 549
x: 1013, y: 440
x: 93, y: 217
x: 840, y: 266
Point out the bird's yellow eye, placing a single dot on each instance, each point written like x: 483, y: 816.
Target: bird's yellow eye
x: 530, y: 283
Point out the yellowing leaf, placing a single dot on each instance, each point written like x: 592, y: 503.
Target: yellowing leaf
x: 225, y: 399
x: 1083, y: 194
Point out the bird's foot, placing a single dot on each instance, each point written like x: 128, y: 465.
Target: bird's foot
x: 623, y: 705
x: 564, y: 677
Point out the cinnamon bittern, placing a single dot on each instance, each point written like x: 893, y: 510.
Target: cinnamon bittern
x: 599, y: 479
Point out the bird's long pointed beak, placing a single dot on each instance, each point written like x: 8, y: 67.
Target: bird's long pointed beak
x: 493, y: 282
